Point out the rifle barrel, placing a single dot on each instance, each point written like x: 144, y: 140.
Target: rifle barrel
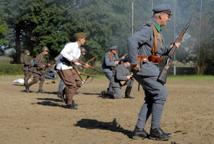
x: 163, y: 74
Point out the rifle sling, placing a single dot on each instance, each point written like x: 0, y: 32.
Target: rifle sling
x: 156, y: 36
x: 154, y: 57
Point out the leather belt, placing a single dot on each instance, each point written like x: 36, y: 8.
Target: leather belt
x: 153, y: 58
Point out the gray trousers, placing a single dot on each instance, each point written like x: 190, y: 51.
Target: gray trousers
x: 155, y: 97
x: 61, y: 87
x: 109, y: 74
x: 117, y: 89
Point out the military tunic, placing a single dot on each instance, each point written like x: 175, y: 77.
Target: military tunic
x: 141, y: 43
x: 27, y: 69
x: 120, y: 74
x: 108, y: 67
x: 39, y: 66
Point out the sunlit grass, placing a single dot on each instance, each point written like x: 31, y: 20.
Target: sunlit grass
x: 170, y: 77
x: 5, y: 60
x: 191, y: 77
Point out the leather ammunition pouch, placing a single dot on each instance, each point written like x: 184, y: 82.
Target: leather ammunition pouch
x: 141, y: 58
x: 152, y: 58
x: 155, y: 59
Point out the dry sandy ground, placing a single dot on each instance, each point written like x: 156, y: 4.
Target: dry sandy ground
x: 41, y: 119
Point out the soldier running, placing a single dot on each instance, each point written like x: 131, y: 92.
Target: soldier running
x: 149, y: 45
x: 26, y: 59
x: 39, y: 66
x: 65, y: 65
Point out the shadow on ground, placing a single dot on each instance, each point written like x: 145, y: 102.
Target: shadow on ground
x: 113, y: 126
x: 91, y: 93
x: 50, y: 102
x: 45, y: 92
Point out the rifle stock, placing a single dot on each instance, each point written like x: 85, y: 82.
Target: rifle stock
x: 163, y: 74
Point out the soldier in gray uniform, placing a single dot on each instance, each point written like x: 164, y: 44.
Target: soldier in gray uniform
x: 110, y: 61
x: 122, y: 77
x: 147, y: 46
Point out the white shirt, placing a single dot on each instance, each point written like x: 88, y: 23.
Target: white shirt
x: 71, y: 52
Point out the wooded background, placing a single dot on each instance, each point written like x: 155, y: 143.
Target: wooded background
x: 32, y: 24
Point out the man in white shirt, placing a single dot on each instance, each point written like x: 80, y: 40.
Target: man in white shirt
x: 69, y: 57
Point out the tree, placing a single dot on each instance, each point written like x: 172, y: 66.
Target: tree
x: 35, y: 23
x: 3, y: 32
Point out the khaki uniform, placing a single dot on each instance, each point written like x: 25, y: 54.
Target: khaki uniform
x: 26, y: 60
x: 39, y: 67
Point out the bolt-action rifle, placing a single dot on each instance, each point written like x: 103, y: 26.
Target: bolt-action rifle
x: 82, y: 73
x: 89, y: 66
x: 163, y: 74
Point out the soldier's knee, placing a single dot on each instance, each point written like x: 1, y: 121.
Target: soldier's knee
x: 117, y: 92
x: 116, y: 96
x: 160, y: 101
x: 161, y: 96
x: 35, y: 80
x: 79, y: 83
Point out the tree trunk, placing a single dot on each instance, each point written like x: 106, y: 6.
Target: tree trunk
x: 18, y: 44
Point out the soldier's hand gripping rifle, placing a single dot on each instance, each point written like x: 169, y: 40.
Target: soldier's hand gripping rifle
x: 80, y: 73
x: 121, y: 58
x: 85, y: 65
x: 163, y: 74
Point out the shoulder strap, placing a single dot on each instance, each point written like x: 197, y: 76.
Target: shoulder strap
x: 156, y: 36
x: 155, y: 40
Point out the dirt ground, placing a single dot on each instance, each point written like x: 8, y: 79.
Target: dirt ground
x: 41, y: 119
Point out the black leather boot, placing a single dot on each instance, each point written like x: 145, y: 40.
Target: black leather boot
x: 105, y: 94
x: 139, y: 133
x: 40, y: 91
x: 27, y: 89
x: 72, y: 106
x: 159, y: 134
x: 127, y: 92
x: 167, y: 133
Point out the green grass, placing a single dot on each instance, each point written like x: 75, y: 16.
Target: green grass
x: 178, y: 77
x: 192, y: 77
x: 11, y: 69
x: 5, y: 60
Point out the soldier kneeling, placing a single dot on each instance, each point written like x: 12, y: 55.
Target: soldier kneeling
x: 121, y: 77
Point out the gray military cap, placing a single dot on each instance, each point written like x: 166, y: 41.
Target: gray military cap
x: 163, y: 8
x: 113, y: 48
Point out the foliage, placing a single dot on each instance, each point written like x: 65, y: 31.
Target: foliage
x: 34, y: 23
x: 3, y: 32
